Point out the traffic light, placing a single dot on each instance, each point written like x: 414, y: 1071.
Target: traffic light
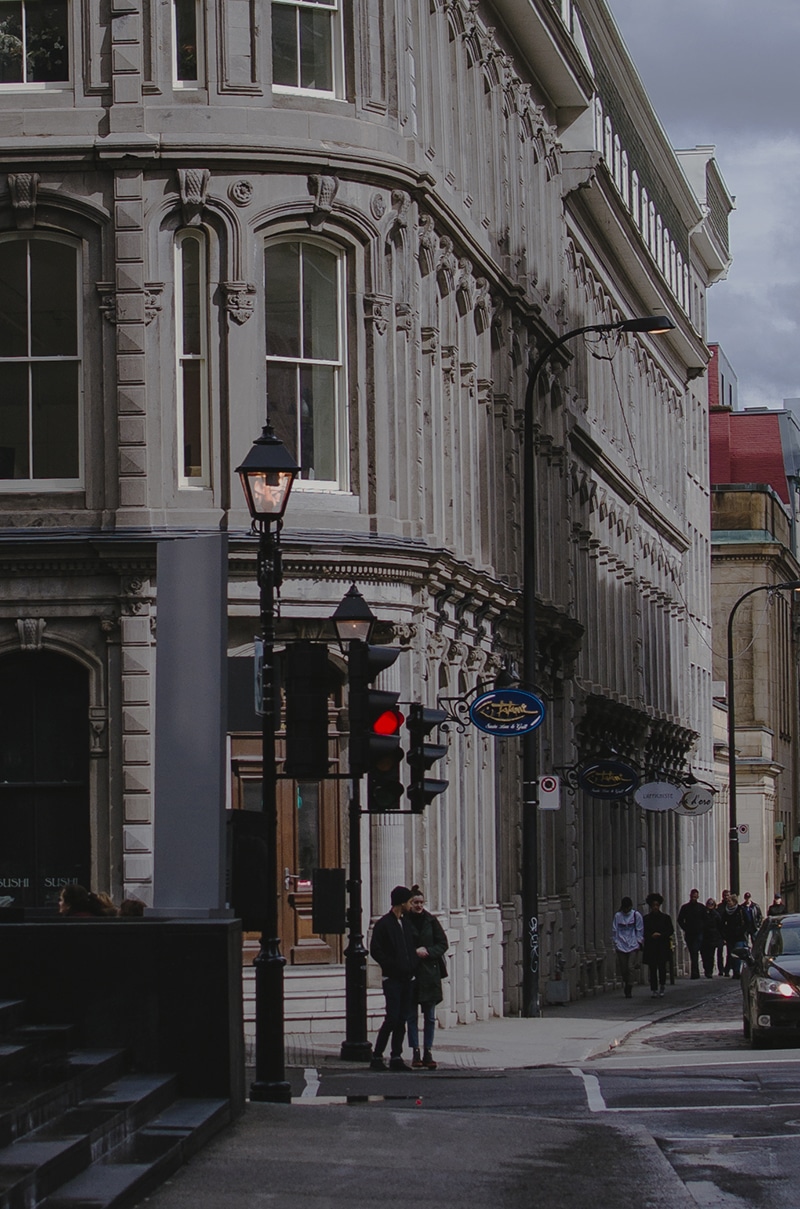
x: 421, y: 755
x: 306, y: 711
x: 375, y: 723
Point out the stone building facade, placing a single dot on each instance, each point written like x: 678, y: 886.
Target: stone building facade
x: 361, y: 219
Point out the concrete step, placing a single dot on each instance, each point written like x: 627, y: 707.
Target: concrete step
x: 145, y: 1160
x: 33, y: 1100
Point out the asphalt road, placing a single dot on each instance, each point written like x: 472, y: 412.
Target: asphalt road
x: 681, y: 1115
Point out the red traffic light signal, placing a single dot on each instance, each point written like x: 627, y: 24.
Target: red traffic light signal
x: 388, y: 723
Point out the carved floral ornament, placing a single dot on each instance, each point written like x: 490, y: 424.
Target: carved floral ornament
x: 193, y: 184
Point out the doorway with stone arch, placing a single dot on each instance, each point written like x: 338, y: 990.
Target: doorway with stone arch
x: 45, y: 833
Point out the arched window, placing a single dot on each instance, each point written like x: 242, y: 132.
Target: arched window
x: 34, y: 41
x: 191, y: 326
x: 304, y: 292
x: 307, y: 46
x: 40, y: 365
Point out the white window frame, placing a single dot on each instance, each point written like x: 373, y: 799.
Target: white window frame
x: 203, y: 480
x: 42, y: 85
x: 340, y: 406
x: 188, y: 85
x: 337, y: 50
x: 28, y: 485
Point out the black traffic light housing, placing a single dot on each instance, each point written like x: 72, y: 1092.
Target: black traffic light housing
x: 422, y: 755
x: 306, y: 689
x: 375, y: 722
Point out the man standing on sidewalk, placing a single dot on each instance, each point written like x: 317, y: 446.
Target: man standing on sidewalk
x: 627, y: 937
x: 394, y: 947
x: 691, y: 918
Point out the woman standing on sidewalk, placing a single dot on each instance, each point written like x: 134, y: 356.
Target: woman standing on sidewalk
x: 627, y: 936
x: 658, y: 932
x: 431, y: 946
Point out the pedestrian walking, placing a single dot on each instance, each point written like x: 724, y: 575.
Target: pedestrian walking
x: 627, y: 937
x: 691, y: 918
x: 393, y: 947
x: 431, y: 946
x: 712, y: 946
x: 752, y: 913
x: 778, y: 906
x: 658, y: 932
x: 734, y: 932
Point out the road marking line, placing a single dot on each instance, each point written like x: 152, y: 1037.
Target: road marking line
x: 311, y: 1088
x: 648, y: 1108
x: 591, y: 1084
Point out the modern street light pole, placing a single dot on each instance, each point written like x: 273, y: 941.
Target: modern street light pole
x: 654, y: 324
x: 267, y: 474
x: 733, y: 818
x: 354, y: 622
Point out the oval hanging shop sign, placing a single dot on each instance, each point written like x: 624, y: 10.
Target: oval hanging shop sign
x: 608, y: 779
x: 659, y: 795
x: 696, y: 801
x: 506, y: 712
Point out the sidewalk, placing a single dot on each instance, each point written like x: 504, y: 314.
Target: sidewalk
x: 564, y: 1036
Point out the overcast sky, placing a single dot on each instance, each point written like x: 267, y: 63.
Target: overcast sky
x: 725, y: 73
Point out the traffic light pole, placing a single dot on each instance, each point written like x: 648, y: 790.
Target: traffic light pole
x: 355, y: 1047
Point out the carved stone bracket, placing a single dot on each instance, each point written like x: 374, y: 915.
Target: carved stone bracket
x: 323, y: 190
x: 483, y: 306
x: 193, y: 183
x: 109, y: 309
x: 447, y: 266
x: 98, y: 727
x: 23, y: 187
x: 465, y: 287
x: 240, y: 300
x: 403, y: 316
x: 398, y: 221
x: 377, y: 311
x: 426, y: 254
x: 430, y: 341
x: 31, y: 633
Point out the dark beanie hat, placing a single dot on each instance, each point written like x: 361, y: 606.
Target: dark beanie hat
x: 400, y: 894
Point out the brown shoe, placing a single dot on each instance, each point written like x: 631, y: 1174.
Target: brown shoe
x: 416, y: 1061
x: 428, y: 1062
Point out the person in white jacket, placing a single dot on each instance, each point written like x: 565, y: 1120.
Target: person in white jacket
x: 627, y: 936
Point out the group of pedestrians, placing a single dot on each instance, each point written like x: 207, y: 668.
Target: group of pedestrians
x: 715, y: 933
x: 409, y: 945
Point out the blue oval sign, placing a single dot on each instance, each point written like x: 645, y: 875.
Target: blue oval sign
x: 608, y: 779
x: 506, y: 712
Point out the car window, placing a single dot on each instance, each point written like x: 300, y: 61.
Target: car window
x: 783, y: 942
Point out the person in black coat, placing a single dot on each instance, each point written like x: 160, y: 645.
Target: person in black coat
x: 393, y: 946
x: 691, y: 918
x: 431, y: 946
x: 658, y: 932
x: 712, y: 944
x: 733, y: 926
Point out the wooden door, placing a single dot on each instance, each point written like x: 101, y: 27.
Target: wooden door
x: 309, y: 837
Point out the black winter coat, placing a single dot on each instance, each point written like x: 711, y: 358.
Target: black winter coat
x: 393, y: 947
x: 429, y: 934
x: 657, y: 948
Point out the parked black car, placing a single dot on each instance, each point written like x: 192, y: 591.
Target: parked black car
x: 771, y: 983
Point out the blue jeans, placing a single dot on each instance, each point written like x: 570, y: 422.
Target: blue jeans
x: 428, y: 1022
x: 399, y: 996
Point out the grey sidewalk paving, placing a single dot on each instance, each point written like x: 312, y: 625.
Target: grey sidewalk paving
x: 563, y: 1036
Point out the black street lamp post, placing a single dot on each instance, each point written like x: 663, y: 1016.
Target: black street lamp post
x: 733, y: 818
x: 654, y: 324
x: 354, y: 622
x: 267, y: 474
